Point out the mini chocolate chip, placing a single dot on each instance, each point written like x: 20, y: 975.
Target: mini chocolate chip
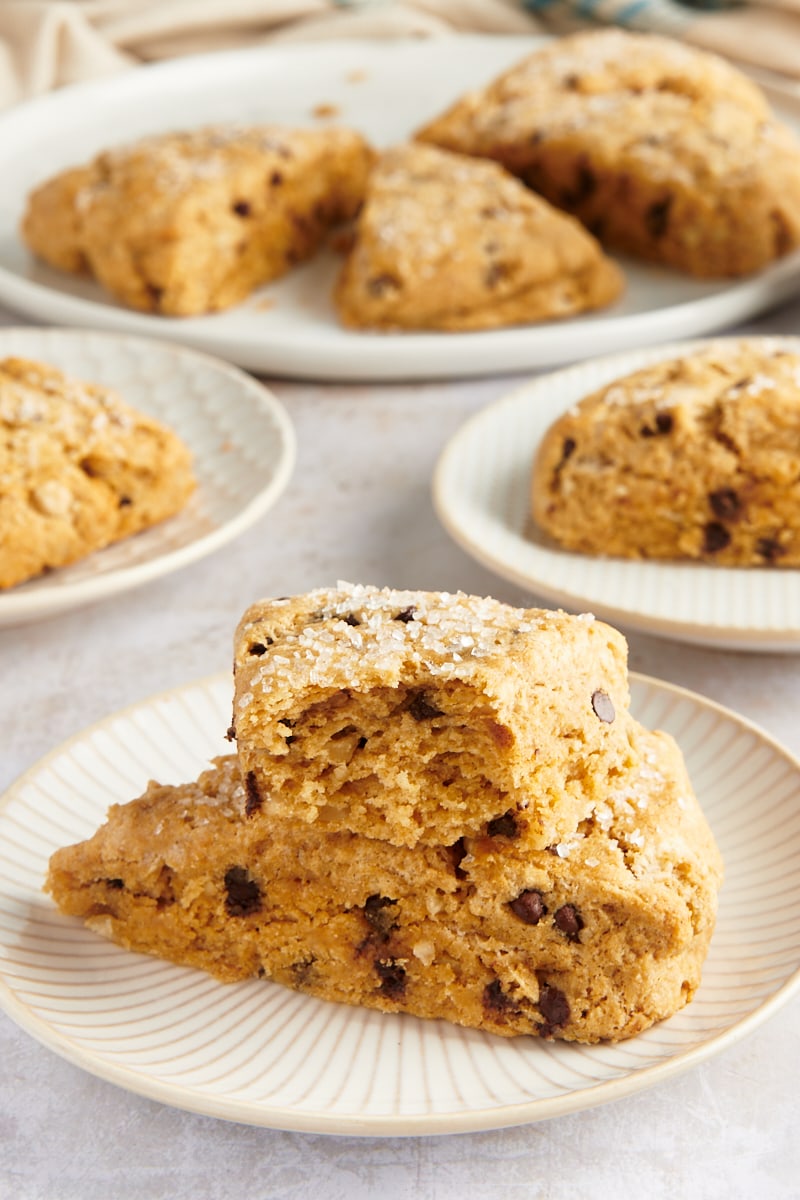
x: 259, y: 648
x: 769, y: 548
x: 381, y: 284
x: 603, y: 706
x: 284, y: 725
x: 254, y: 801
x: 155, y: 294
x: 115, y: 883
x: 243, y: 895
x: 585, y: 185
x: 656, y: 218
x: 351, y: 619
x: 375, y: 912
x: 230, y: 734
x: 715, y: 537
x: 569, y: 921
x: 241, y: 208
x: 393, y: 978
x: 421, y: 709
x: 496, y: 1000
x: 664, y: 422
x: 276, y: 179
x: 301, y: 970
x: 458, y: 851
x: 568, y: 449
x: 406, y: 614
x: 505, y: 826
x: 529, y: 907
x: 725, y: 504
x: 554, y: 1007
x: 87, y: 466
x: 495, y: 273
x: 572, y: 82
x: 362, y: 741
x: 124, y: 502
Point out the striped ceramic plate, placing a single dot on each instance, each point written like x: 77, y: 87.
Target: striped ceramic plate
x: 482, y: 495
x: 257, y: 1053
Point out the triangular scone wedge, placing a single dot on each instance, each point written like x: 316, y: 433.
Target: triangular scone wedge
x: 660, y: 149
x: 594, y: 938
x: 453, y: 243
x: 187, y: 223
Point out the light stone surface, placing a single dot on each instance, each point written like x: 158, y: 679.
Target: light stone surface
x: 359, y: 508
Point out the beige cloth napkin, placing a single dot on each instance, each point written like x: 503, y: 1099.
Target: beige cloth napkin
x: 48, y: 43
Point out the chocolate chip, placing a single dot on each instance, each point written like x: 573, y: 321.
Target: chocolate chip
x: 406, y: 614
x: 656, y: 218
x: 554, y: 1007
x: 458, y: 851
x: 715, y: 537
x: 572, y: 82
x: 376, y: 914
x: 585, y: 185
x: 241, y: 208
x: 603, y: 706
x: 351, y: 619
x: 569, y: 921
x: 259, y: 648
x: 302, y: 970
x: 381, y: 284
x: 115, y: 883
x: 664, y: 422
x: 284, y: 728
x: 769, y: 548
x: 276, y: 179
x: 529, y: 907
x: 124, y: 502
x: 155, y: 294
x: 505, y: 826
x: 725, y: 504
x: 362, y: 741
x: 254, y: 801
x: 496, y: 1000
x: 393, y: 978
x: 495, y: 274
x: 421, y: 708
x: 230, y: 734
x: 243, y: 895
x: 568, y: 449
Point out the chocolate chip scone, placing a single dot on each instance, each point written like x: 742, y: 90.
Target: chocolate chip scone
x: 187, y: 223
x: 663, y: 151
x: 79, y: 469
x: 421, y: 716
x: 448, y: 242
x: 693, y: 458
x: 593, y: 938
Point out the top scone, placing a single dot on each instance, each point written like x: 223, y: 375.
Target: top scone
x: 661, y: 150
x: 358, y: 708
x: 449, y: 242
x: 187, y: 223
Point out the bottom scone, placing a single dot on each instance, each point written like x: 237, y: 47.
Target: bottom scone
x: 593, y: 938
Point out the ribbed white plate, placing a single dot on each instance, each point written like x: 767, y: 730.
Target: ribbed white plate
x: 240, y: 435
x: 258, y: 1053
x: 387, y: 90
x: 481, y: 492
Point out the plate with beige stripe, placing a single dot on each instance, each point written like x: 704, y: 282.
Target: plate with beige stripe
x: 258, y: 1053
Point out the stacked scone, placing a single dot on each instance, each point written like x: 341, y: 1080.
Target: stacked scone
x: 440, y: 805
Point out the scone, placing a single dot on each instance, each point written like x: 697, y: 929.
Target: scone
x: 447, y: 242
x: 661, y: 150
x: 694, y: 458
x: 595, y: 938
x: 188, y: 223
x: 423, y: 716
x: 79, y: 469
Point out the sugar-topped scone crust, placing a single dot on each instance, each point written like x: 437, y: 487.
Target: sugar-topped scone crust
x: 448, y: 242
x: 662, y: 150
x: 192, y: 222
x: 696, y: 458
x: 596, y: 938
x: 421, y: 716
x: 79, y: 469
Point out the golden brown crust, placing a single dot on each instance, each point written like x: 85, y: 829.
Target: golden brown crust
x: 191, y: 222
x: 452, y: 243
x: 663, y: 151
x: 694, y: 458
x: 78, y: 470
